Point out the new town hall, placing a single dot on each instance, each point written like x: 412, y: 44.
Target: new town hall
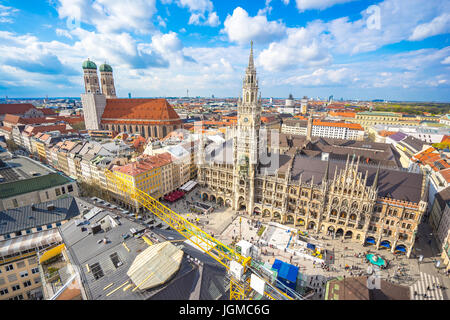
x: 369, y: 204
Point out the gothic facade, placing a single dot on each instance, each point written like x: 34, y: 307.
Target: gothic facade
x: 371, y: 205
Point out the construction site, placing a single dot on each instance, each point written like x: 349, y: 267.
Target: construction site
x: 107, y: 253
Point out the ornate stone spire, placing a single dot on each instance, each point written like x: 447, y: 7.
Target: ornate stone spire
x: 325, y: 176
x: 375, y: 182
x: 251, y: 64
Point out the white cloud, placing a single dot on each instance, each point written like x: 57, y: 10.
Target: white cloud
x: 266, y: 10
x: 213, y: 20
x: 196, y: 5
x: 437, y: 26
x: 299, y: 49
x: 161, y: 21
x: 63, y: 33
x: 6, y: 13
x: 111, y: 15
x: 199, y: 19
x: 322, y: 77
x: 241, y: 28
x: 166, y: 43
x: 303, y: 5
x: 397, y: 20
x: 446, y: 60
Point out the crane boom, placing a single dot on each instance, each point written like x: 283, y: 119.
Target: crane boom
x: 205, y: 242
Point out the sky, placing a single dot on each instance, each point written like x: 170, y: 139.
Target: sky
x: 355, y: 49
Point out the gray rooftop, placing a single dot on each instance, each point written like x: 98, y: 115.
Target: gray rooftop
x: 24, y: 218
x: 396, y: 184
x: 83, y: 248
x: 413, y: 144
x: 21, y: 168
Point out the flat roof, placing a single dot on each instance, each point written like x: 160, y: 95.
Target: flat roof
x: 20, y: 168
x: 24, y: 218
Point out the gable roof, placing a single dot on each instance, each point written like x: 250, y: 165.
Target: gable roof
x: 395, y: 184
x: 15, y: 108
x: 157, y: 111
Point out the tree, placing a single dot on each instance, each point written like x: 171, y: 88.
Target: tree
x: 79, y: 126
x: 11, y: 145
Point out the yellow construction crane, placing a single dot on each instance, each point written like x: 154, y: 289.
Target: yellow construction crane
x: 233, y: 261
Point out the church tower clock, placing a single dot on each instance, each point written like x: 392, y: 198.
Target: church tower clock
x: 246, y: 153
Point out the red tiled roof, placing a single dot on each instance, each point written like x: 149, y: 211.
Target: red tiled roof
x: 145, y: 111
x: 31, y: 130
x: 385, y: 133
x: 14, y: 119
x: 139, y: 141
x: 267, y: 119
x: 446, y: 174
x: 6, y: 129
x: 432, y: 158
x: 344, y: 114
x: 354, y: 126
x: 47, y: 111
x: 15, y: 108
x: 144, y: 164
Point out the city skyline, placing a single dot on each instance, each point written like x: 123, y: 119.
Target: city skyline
x: 357, y: 49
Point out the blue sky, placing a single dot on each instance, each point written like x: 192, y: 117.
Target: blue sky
x: 391, y: 49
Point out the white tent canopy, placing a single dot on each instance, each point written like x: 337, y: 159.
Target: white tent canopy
x: 41, y: 239
x: 188, y: 186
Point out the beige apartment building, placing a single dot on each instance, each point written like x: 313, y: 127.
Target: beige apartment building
x: 27, y: 182
x: 371, y: 118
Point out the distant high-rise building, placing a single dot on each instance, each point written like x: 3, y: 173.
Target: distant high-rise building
x: 304, y: 105
x: 290, y: 101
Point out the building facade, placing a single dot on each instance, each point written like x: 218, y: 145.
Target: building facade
x: 151, y: 118
x: 335, y: 130
x: 371, y: 205
x: 371, y: 118
x: 22, y: 238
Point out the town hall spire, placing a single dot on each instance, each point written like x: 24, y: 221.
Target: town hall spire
x: 251, y: 63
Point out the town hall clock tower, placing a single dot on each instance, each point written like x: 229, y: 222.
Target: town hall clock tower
x: 246, y: 141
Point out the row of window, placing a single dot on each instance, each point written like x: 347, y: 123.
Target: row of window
x: 16, y: 287
x: 58, y: 192
x: 29, y: 231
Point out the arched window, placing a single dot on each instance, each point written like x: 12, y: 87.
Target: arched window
x: 164, y: 131
x: 247, y: 98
